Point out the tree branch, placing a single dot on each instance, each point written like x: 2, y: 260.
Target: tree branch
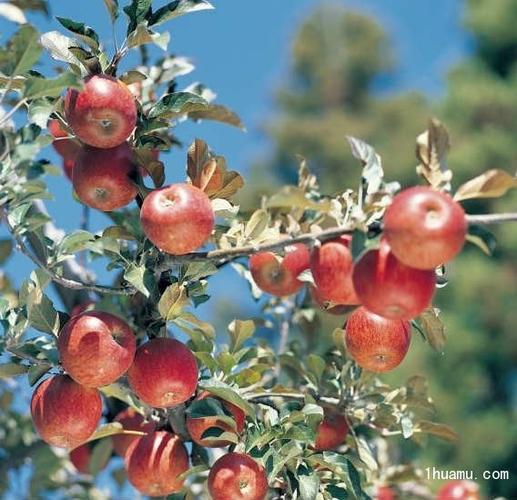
x: 492, y: 218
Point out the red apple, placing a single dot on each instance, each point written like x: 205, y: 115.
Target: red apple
x: 384, y: 493
x: 459, y: 490
x: 425, y: 227
x: 132, y: 421
x: 197, y: 426
x: 103, y: 114
x: 326, y: 305
x: 331, y: 267
x: 81, y: 457
x: 68, y: 168
x: 164, y: 373
x: 332, y: 431
x: 177, y: 218
x: 102, y: 178
x: 280, y: 276
x: 376, y: 343
x: 391, y: 289
x: 154, y: 462
x: 64, y: 413
x: 68, y: 149
x: 96, y: 348
x: 237, y: 476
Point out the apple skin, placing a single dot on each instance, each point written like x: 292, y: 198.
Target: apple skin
x: 81, y: 456
x: 154, y: 462
x: 384, y: 493
x: 237, y: 476
x: 459, y: 490
x: 279, y: 277
x: 68, y: 149
x: 65, y: 414
x: 68, y: 168
x: 331, y: 432
x: 425, y: 227
x: 133, y: 421
x: 376, y: 343
x: 325, y: 305
x: 177, y: 218
x: 96, y: 348
x: 102, y: 114
x: 102, y: 177
x: 391, y: 289
x: 164, y: 373
x: 331, y: 267
x: 197, y: 426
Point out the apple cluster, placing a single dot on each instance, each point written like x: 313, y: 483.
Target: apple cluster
x: 388, y: 286
x: 105, y: 174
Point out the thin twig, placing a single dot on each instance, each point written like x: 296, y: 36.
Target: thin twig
x: 492, y: 218
x: 287, y: 395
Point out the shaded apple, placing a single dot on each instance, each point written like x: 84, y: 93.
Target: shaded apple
x: 326, y: 305
x: 459, y: 490
x: 197, y: 426
x: 164, y: 373
x: 391, y: 289
x: 154, y: 462
x: 131, y: 420
x: 96, y: 348
x: 331, y: 431
x: 384, y: 493
x: 68, y: 149
x: 331, y: 267
x: 177, y: 218
x: 68, y: 168
x: 376, y: 343
x: 237, y: 476
x: 81, y: 458
x: 279, y: 276
x: 64, y: 413
x: 102, y: 178
x: 424, y: 227
x: 102, y: 114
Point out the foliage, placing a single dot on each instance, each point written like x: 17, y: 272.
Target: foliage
x: 282, y: 392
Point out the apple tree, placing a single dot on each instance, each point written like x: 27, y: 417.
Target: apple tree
x: 129, y: 373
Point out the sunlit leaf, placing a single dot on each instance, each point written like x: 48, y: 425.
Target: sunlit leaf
x: 176, y: 9
x: 492, y: 184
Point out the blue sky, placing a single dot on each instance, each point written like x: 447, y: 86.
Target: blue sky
x: 241, y: 51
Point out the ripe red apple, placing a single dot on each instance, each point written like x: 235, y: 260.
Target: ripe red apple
x: 459, y: 490
x: 326, y: 305
x: 177, y: 218
x: 81, y: 457
x: 237, y: 476
x: 68, y: 149
x: 102, y: 178
x: 424, y: 227
x: 331, y: 267
x: 332, y: 431
x: 103, y: 114
x: 154, y: 462
x: 391, y: 289
x: 131, y: 420
x: 280, y: 276
x: 64, y: 413
x: 197, y: 426
x: 68, y: 168
x: 376, y: 343
x: 384, y: 493
x: 164, y: 373
x: 96, y: 348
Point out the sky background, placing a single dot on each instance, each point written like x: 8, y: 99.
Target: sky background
x: 242, y: 51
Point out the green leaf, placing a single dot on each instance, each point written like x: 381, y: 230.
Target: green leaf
x: 21, y: 53
x: 217, y: 113
x: 309, y: 486
x: 138, y: 11
x: 51, y: 87
x: 132, y: 76
x: 110, y: 430
x: 176, y: 9
x: 40, y: 311
x: 58, y: 45
x: 36, y: 372
x: 225, y: 392
x: 113, y: 9
x: 75, y: 241
x: 142, y: 35
x: 316, y: 365
x: 172, y: 302
x: 6, y: 247
x: 177, y: 103
x: 240, y: 331
x: 137, y: 276
x: 122, y: 393
x: 40, y: 111
x: 85, y: 33
x: 482, y: 238
x: 101, y: 453
x: 8, y: 370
